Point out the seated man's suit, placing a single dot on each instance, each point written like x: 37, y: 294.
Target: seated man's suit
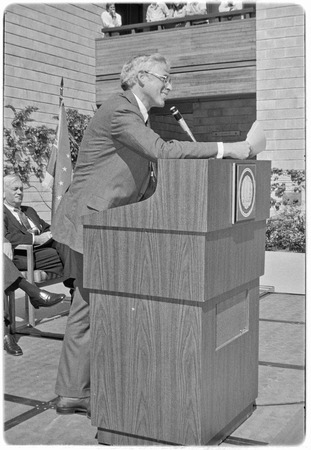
x: 49, y: 257
x: 12, y: 280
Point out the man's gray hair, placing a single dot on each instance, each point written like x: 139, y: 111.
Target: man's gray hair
x: 137, y: 64
x: 8, y: 179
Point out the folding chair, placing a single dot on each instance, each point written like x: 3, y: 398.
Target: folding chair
x: 41, y: 279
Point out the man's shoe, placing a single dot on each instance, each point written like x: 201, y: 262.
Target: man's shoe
x: 46, y: 299
x: 71, y: 405
x: 11, y: 346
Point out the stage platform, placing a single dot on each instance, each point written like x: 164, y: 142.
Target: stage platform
x: 278, y: 420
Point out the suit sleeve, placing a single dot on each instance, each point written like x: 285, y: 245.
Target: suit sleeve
x: 128, y: 129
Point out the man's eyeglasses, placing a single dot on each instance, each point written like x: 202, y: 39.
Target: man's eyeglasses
x: 166, y: 79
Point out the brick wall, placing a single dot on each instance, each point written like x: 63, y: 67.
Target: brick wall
x: 281, y: 82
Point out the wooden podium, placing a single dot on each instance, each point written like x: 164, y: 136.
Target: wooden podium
x: 174, y: 289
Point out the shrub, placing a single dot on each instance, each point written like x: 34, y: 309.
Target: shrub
x: 278, y: 189
x: 286, y: 228
x: 286, y: 231
x: 77, y: 124
x: 27, y: 148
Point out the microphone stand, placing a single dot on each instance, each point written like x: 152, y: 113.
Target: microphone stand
x: 182, y: 122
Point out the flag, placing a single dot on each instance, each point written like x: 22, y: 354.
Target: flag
x: 59, y: 169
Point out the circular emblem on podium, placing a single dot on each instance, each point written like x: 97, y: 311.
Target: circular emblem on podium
x: 246, y: 192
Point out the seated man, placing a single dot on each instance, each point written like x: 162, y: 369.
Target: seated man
x: 12, y: 280
x: 22, y: 225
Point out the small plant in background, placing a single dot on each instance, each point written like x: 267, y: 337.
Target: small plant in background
x: 278, y: 188
x: 287, y: 225
x: 28, y: 147
x: 286, y: 231
x: 77, y: 124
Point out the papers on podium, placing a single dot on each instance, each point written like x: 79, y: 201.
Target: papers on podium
x: 256, y: 138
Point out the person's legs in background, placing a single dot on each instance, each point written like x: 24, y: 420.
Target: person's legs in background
x: 9, y: 342
x: 13, y: 280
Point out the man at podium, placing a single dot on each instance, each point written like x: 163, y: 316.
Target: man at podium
x: 114, y: 168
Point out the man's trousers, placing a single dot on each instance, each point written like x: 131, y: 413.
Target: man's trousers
x: 73, y: 378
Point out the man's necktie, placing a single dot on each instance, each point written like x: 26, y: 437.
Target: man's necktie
x: 24, y: 221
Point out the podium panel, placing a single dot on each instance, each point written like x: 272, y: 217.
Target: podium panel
x: 169, y: 372
x: 174, y: 307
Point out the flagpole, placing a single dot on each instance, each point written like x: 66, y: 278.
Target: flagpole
x: 59, y: 169
x: 61, y: 91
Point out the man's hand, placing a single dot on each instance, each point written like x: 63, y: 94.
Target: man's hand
x: 42, y: 238
x: 237, y: 150
x: 7, y: 249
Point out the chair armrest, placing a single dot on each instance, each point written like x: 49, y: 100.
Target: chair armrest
x: 30, y: 260
x: 24, y: 247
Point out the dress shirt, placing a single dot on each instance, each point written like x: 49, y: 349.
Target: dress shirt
x: 142, y: 108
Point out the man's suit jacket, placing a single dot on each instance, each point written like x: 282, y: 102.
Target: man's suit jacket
x: 113, y: 165
x: 16, y: 233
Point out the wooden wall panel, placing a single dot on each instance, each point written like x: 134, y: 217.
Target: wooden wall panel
x: 203, y: 64
x: 196, y: 45
x: 204, y: 83
x: 42, y: 44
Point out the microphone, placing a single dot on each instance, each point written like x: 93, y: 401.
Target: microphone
x: 182, y: 122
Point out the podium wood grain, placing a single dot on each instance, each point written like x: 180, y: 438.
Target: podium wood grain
x: 192, y: 196
x: 174, y: 308
x: 157, y: 373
